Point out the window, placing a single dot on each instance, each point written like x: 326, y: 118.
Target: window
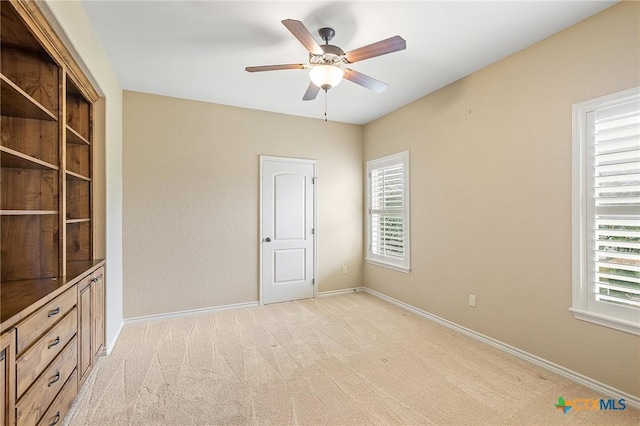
x: 388, y: 212
x: 606, y: 216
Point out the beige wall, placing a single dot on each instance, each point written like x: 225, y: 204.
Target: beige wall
x: 191, y: 180
x: 491, y: 196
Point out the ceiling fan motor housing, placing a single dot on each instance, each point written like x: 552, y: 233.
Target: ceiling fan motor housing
x: 332, y: 55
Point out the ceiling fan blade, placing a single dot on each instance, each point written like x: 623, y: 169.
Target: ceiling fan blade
x: 311, y: 93
x: 276, y: 67
x: 392, y: 44
x: 363, y: 80
x: 303, y: 35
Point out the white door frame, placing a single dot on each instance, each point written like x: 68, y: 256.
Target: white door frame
x: 264, y: 158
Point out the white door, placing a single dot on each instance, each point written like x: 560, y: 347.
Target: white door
x: 288, y: 211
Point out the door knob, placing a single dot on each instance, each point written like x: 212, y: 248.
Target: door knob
x: 268, y: 240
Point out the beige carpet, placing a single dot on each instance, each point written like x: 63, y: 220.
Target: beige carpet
x: 342, y: 360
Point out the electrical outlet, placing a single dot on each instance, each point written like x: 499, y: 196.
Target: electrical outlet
x: 344, y: 269
x: 472, y: 300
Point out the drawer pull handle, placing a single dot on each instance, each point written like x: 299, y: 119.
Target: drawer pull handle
x: 54, y: 379
x: 56, y: 311
x: 55, y: 342
x: 56, y: 419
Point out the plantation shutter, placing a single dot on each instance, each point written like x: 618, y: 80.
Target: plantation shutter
x: 388, y: 228
x: 387, y: 211
x: 615, y: 187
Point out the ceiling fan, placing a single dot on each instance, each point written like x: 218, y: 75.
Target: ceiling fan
x: 328, y: 63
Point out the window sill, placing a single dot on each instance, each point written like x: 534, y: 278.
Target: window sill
x: 606, y: 321
x: 398, y: 268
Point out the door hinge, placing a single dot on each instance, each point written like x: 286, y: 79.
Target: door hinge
x: 313, y: 231
x: 313, y: 180
x: 313, y: 281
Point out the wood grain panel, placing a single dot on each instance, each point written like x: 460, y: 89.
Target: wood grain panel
x: 34, y: 73
x: 46, y: 317
x: 36, y: 138
x: 78, y: 111
x: 29, y: 189
x: 78, y: 196
x: 32, y: 406
x: 28, y: 247
x: 78, y: 159
x: 13, y: 31
x: 78, y: 241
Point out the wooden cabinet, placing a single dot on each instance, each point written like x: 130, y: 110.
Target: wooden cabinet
x: 84, y: 329
x: 98, y: 314
x: 90, y: 322
x: 51, y: 284
x: 49, y: 345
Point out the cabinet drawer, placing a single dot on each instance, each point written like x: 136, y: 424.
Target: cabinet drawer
x: 60, y: 406
x: 35, y: 360
x: 32, y: 406
x: 30, y: 330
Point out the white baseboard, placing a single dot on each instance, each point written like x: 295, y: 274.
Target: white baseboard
x: 562, y: 371
x: 339, y: 292
x: 188, y: 313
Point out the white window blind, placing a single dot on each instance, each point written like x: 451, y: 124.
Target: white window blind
x: 606, y: 275
x: 616, y: 192
x: 388, y: 203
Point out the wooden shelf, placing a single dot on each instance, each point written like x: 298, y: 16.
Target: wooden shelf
x: 27, y: 212
x: 73, y: 137
x: 78, y: 220
x: 77, y: 176
x: 17, y: 103
x: 10, y: 158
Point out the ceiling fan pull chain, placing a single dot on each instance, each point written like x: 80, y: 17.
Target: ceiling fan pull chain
x: 326, y: 94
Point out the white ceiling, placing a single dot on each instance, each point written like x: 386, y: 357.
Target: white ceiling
x: 199, y: 49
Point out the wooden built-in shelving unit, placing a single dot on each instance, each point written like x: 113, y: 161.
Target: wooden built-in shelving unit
x: 47, y: 253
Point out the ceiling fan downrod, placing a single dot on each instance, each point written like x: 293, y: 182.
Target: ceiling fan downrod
x: 326, y: 34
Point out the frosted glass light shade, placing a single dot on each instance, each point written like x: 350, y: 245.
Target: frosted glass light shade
x: 326, y: 76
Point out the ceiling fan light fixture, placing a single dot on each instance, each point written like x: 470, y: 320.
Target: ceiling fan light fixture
x: 326, y: 76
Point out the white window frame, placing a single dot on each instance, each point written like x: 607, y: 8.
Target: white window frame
x: 404, y: 264
x: 584, y: 304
